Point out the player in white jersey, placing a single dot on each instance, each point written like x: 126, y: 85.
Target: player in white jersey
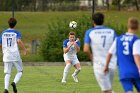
x: 70, y: 47
x: 9, y: 40
x: 100, y: 39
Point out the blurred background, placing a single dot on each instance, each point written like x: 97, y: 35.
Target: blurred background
x: 44, y: 23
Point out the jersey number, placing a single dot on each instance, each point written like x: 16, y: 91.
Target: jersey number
x: 126, y: 48
x: 9, y: 42
x: 104, y: 40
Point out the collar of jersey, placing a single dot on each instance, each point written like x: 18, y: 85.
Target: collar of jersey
x: 98, y: 26
x: 10, y: 29
x: 129, y: 33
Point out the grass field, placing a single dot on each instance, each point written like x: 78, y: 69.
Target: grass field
x: 46, y: 79
x: 33, y: 25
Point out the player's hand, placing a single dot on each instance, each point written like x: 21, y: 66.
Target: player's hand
x: 71, y: 43
x: 106, y: 70
x: 25, y: 52
x: 77, y: 40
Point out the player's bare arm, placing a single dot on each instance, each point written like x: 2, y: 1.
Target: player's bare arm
x: 107, y: 63
x: 88, y: 51
x: 76, y: 45
x: 22, y: 46
x: 137, y: 61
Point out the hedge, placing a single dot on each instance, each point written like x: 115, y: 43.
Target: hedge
x: 51, y: 46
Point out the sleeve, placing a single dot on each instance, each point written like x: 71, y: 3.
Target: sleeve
x: 112, y: 49
x: 136, y: 47
x: 18, y: 35
x: 87, y: 39
x: 65, y: 44
x: 79, y: 43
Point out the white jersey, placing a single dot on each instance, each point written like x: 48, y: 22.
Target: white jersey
x: 100, y: 39
x: 72, y: 53
x: 10, y: 50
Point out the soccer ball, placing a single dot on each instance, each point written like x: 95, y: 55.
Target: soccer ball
x: 72, y: 24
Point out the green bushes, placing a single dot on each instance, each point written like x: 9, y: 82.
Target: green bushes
x: 51, y: 46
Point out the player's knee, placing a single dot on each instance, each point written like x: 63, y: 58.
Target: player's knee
x: 68, y: 64
x: 79, y: 69
x: 7, y: 75
x: 67, y: 68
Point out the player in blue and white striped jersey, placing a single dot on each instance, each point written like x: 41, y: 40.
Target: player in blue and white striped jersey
x: 100, y: 39
x: 70, y: 47
x: 9, y: 40
x: 126, y: 47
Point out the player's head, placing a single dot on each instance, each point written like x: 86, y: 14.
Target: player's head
x: 72, y: 36
x: 133, y: 24
x: 12, y: 22
x: 98, y: 18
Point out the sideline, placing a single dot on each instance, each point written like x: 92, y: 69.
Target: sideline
x: 49, y: 63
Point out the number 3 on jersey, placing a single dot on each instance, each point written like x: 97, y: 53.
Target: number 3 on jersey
x: 9, y: 42
x: 126, y: 48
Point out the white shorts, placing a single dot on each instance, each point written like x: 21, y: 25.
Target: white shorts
x: 8, y: 66
x: 104, y: 81
x: 73, y: 60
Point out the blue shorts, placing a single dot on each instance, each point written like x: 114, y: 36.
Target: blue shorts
x: 129, y: 83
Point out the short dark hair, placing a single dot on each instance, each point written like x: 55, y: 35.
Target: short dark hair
x: 133, y: 23
x: 12, y: 22
x: 98, y: 18
x: 71, y: 33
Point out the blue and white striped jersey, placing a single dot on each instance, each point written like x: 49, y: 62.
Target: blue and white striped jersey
x: 8, y: 40
x: 100, y: 39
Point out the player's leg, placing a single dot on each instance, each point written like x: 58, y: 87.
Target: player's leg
x: 136, y: 83
x: 77, y: 69
x: 111, y: 76
x: 127, y: 85
x: 66, y: 69
x: 19, y: 67
x: 7, y: 71
x: 76, y: 72
x: 103, y: 80
x: 77, y: 66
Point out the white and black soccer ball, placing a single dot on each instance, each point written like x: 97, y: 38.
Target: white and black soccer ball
x: 73, y: 24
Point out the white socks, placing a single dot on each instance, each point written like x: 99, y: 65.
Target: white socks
x: 66, y: 69
x: 76, y: 72
x: 17, y: 77
x: 7, y: 80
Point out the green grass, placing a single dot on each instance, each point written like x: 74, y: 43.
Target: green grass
x: 33, y: 25
x: 46, y: 79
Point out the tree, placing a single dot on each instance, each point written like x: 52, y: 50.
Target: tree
x: 137, y: 5
x: 119, y: 5
x: 107, y: 3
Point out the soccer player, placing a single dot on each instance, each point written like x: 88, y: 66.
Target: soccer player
x: 127, y: 50
x: 70, y: 47
x: 100, y: 39
x: 9, y: 40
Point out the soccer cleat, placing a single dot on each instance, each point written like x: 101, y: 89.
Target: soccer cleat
x: 63, y: 82
x: 75, y: 78
x: 14, y: 87
x: 6, y: 91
